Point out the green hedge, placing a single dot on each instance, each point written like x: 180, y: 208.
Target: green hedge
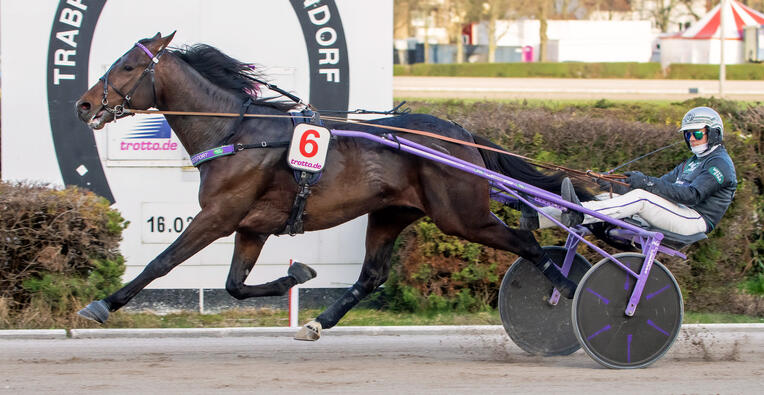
x: 59, y: 249
x: 433, y: 271
x: 582, y: 70
x: 749, y: 71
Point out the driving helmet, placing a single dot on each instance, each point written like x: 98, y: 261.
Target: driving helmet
x: 704, y: 117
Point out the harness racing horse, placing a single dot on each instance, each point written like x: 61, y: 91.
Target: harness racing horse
x: 252, y: 192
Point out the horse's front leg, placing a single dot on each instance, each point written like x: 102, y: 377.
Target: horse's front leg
x: 209, y: 225
x: 246, y: 250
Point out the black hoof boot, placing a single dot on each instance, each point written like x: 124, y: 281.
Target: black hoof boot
x: 97, y: 311
x: 301, y: 272
x: 566, y: 287
x: 570, y: 217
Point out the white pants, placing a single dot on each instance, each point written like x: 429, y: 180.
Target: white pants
x: 657, y: 211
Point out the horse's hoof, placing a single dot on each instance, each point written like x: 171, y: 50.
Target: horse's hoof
x: 301, y: 272
x: 97, y: 311
x: 309, y: 332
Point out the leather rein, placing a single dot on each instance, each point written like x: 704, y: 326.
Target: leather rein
x: 587, y: 175
x: 124, y: 108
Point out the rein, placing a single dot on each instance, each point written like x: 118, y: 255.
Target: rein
x: 586, y: 175
x: 122, y: 109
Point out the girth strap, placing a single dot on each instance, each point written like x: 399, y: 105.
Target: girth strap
x: 294, y: 224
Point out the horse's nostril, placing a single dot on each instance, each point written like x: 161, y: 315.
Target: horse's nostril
x: 85, y: 106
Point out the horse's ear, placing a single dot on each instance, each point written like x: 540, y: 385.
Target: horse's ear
x: 156, y: 36
x: 166, y: 39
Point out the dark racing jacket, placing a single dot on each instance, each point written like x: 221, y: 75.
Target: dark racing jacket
x: 706, y: 185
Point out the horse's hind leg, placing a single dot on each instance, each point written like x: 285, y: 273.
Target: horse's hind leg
x: 383, y: 228
x: 462, y: 209
x: 494, y: 233
x: 247, y: 249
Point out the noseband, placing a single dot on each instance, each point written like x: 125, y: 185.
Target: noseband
x: 119, y: 109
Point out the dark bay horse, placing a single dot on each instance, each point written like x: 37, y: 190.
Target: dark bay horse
x: 252, y: 192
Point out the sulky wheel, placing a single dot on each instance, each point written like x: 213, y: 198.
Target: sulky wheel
x: 611, y: 337
x: 530, y: 321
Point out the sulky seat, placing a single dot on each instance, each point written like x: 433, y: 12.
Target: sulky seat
x: 670, y: 239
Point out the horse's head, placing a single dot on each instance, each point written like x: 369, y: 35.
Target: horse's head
x: 129, y: 83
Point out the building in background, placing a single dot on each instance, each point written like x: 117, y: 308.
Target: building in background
x: 574, y: 30
x: 578, y: 40
x: 701, y: 43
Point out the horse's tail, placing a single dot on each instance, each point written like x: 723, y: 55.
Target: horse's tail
x: 521, y: 170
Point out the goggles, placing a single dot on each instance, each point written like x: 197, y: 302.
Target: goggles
x: 698, y: 134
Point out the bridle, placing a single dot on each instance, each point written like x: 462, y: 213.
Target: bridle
x: 119, y: 109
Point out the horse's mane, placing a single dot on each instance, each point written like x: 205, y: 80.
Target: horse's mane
x: 228, y: 74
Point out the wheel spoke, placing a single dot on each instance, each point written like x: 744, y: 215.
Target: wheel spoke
x: 651, y: 323
x: 602, y: 298
x: 650, y: 296
x: 605, y: 328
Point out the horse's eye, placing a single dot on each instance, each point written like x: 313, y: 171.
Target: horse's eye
x: 128, y: 68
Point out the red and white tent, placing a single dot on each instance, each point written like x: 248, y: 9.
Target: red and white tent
x: 701, y: 42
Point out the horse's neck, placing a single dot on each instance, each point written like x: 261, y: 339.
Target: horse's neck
x: 183, y: 89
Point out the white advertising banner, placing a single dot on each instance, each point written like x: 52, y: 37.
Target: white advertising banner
x: 334, y: 54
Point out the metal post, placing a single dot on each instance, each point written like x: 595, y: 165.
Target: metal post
x: 294, y: 305
x: 201, y: 300
x: 722, y: 65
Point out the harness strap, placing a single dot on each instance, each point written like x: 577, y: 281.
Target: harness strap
x: 149, y: 70
x: 213, y: 153
x: 244, y: 109
x: 294, y: 223
x: 231, y: 149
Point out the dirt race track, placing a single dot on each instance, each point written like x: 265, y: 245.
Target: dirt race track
x: 485, y: 363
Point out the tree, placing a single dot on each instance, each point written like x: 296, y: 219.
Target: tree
x: 664, y: 12
x: 757, y: 5
x: 661, y: 14
x: 458, y: 13
x: 493, y: 10
x: 402, y: 25
x: 541, y: 10
x: 428, y: 11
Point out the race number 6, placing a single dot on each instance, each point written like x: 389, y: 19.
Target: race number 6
x: 305, y: 142
x: 308, y: 148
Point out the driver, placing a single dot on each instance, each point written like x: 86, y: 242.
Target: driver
x: 689, y: 199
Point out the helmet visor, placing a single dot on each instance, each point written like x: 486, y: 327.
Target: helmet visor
x: 692, y: 126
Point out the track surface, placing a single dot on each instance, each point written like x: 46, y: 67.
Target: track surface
x: 571, y: 88
x: 350, y: 364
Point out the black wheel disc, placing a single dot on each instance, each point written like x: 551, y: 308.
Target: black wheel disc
x: 530, y: 321
x: 611, y: 337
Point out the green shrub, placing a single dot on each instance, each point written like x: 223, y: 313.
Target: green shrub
x: 58, y: 249
x: 583, y: 70
x: 749, y: 71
